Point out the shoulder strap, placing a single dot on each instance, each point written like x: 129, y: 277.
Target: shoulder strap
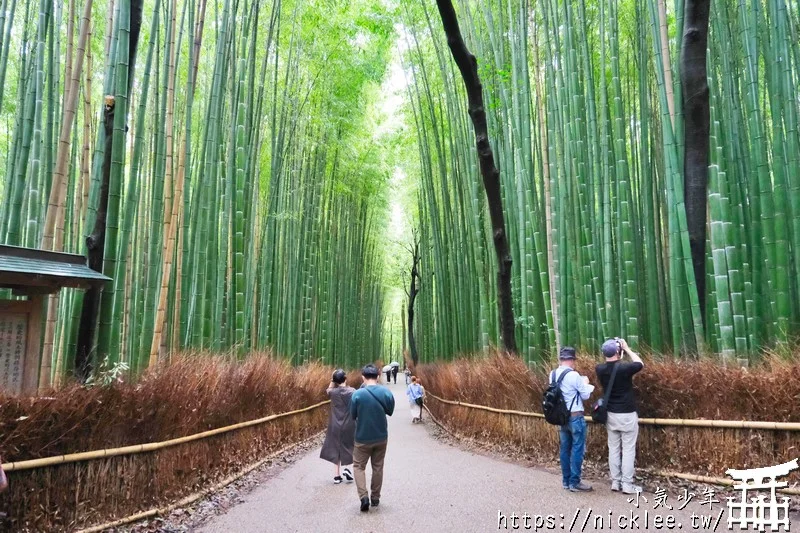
x: 561, y: 377
x: 558, y: 384
x: 607, y: 395
x: 376, y: 398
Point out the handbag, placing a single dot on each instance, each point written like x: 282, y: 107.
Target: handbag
x: 418, y: 401
x: 600, y: 407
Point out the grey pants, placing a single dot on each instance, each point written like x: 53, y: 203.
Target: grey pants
x: 623, y: 429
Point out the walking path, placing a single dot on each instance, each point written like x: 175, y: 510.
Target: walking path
x: 430, y: 486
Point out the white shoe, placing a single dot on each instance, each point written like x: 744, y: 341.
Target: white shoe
x: 616, y: 486
x: 348, y: 476
x: 631, y: 488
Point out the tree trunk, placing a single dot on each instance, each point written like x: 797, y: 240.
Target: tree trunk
x: 405, y: 339
x: 412, y: 296
x: 95, y: 245
x: 96, y: 242
x: 468, y: 66
x: 694, y: 83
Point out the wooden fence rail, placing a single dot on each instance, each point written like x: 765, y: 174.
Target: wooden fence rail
x: 700, y: 423
x: 656, y: 422
x: 147, y: 447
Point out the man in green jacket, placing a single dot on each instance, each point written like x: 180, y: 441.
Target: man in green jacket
x: 369, y: 406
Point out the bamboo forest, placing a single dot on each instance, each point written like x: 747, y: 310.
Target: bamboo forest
x: 302, y: 176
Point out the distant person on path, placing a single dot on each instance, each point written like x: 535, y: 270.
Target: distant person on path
x: 407, y: 373
x: 338, y: 445
x: 388, y: 371
x: 574, y: 388
x: 623, y: 421
x: 395, y: 370
x: 369, y: 406
x: 416, y: 398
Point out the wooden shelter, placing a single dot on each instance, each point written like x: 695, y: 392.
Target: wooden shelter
x: 32, y: 273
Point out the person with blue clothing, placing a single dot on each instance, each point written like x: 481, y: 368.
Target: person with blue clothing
x: 415, y: 392
x: 369, y: 407
x: 575, y: 389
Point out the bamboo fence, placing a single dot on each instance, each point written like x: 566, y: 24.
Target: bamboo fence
x: 699, y: 423
x: 147, y: 447
x: 694, y: 423
x: 189, y: 499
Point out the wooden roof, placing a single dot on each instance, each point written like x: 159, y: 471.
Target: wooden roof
x: 29, y: 270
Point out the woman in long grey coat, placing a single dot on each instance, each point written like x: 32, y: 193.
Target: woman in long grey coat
x: 339, y: 439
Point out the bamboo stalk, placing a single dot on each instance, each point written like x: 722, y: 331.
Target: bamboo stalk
x: 664, y: 43
x: 171, y: 206
x: 54, y: 222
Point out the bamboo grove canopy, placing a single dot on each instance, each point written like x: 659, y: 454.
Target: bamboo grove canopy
x: 584, y: 106
x: 230, y: 149
x: 243, y: 197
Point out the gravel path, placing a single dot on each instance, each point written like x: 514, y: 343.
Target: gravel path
x: 430, y: 486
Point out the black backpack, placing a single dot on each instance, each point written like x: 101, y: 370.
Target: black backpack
x: 554, y: 407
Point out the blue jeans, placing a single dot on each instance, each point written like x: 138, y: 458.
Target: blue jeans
x: 573, y: 446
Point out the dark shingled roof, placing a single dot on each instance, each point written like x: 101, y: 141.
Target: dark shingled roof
x: 21, y: 267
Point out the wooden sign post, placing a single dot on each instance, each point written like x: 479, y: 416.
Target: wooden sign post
x: 20, y: 333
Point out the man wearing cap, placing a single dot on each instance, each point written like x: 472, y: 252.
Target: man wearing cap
x: 574, y: 388
x: 623, y: 421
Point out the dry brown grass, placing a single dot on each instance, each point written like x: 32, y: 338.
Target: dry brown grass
x: 665, y: 389
x: 193, y: 394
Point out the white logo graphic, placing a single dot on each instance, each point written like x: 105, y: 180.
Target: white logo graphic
x: 759, y: 512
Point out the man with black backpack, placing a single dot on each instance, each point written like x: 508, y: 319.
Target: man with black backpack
x: 563, y: 406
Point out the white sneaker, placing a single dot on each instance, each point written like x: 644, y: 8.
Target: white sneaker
x: 616, y: 486
x: 348, y: 476
x: 631, y: 488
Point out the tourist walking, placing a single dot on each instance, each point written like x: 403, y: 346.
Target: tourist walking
x: 339, y: 439
x: 387, y: 370
x: 574, y: 389
x: 369, y: 406
x: 416, y: 398
x: 395, y: 370
x: 622, y: 422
